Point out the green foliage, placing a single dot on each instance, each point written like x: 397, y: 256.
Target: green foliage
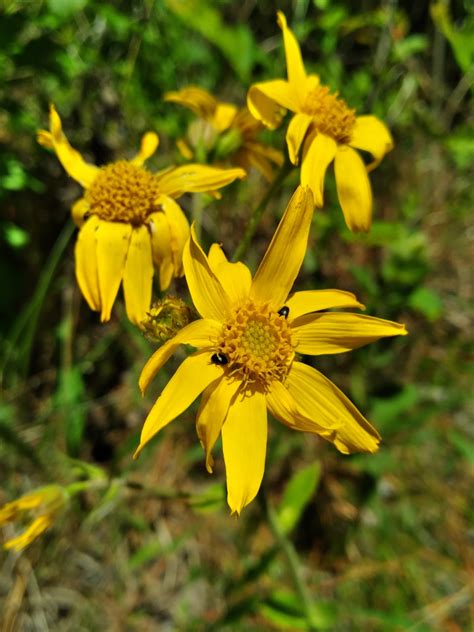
x: 379, y: 540
x: 298, y: 493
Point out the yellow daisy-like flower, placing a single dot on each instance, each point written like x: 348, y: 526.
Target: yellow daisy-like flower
x: 326, y: 129
x: 247, y: 339
x: 129, y: 221
x: 45, y: 503
x: 226, y: 132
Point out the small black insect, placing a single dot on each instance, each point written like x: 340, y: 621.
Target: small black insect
x: 219, y: 358
x: 284, y: 311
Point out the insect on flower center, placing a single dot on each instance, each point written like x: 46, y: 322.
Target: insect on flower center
x: 256, y: 344
x: 123, y: 192
x: 331, y: 115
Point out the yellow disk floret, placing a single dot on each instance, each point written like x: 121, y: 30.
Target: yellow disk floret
x: 123, y: 192
x: 256, y: 344
x: 331, y: 115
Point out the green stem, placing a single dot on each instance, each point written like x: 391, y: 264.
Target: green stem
x: 286, y: 546
x: 256, y: 216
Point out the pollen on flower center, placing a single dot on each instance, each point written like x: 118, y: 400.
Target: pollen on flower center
x: 257, y: 344
x: 331, y: 115
x: 123, y: 192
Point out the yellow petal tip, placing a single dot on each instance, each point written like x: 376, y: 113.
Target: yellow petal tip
x: 137, y: 452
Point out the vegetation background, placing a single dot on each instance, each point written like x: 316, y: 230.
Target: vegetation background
x: 379, y: 543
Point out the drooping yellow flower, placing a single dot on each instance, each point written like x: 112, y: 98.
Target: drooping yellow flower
x: 44, y: 503
x: 129, y: 221
x: 225, y: 132
x: 247, y: 339
x: 326, y: 129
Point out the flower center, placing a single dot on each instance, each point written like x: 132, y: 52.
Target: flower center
x: 123, y: 192
x: 331, y: 115
x: 255, y: 344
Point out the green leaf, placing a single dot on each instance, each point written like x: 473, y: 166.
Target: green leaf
x: 235, y: 43
x: 69, y: 399
x: 15, y: 236
x: 391, y: 410
x: 66, y: 8
x: 284, y: 609
x: 426, y: 301
x: 212, y: 499
x: 297, y: 495
x: 463, y: 444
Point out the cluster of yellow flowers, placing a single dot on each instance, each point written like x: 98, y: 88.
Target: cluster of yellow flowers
x: 251, y: 331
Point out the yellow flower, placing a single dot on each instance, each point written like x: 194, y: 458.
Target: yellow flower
x: 45, y: 503
x: 225, y: 131
x: 247, y: 338
x: 327, y: 129
x: 129, y: 221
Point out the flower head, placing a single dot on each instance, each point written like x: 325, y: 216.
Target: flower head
x: 44, y: 504
x: 129, y: 221
x: 323, y: 129
x: 224, y: 132
x: 246, y: 361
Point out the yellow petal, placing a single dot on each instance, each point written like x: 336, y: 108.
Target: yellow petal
x: 308, y: 301
x: 71, y: 160
x: 36, y: 528
x: 353, y: 189
x: 267, y: 101
x: 282, y: 261
x: 148, y: 146
x: 319, y: 153
x: 196, y: 99
x: 113, y: 240
x: 244, y: 443
x: 86, y: 263
x: 192, y: 377
x: 178, y: 230
x: 138, y: 275
x: 199, y: 333
x: 79, y: 211
x: 284, y: 408
x: 371, y: 135
x: 195, y: 178
x: 209, y: 297
x: 215, y: 403
x: 235, y: 278
x: 295, y: 135
x: 294, y: 63
x: 260, y: 157
x: 223, y: 116
x: 320, y: 400
x: 184, y: 149
x: 161, y: 247
x: 335, y: 332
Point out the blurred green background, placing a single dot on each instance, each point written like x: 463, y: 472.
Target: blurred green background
x: 381, y: 542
